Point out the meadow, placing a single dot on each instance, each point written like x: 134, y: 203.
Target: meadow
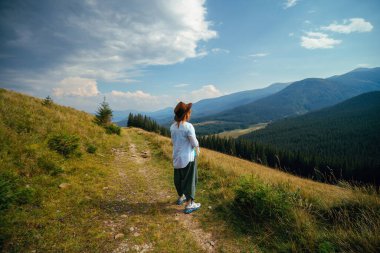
x: 98, y: 192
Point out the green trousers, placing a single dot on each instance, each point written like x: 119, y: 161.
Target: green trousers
x: 185, y: 180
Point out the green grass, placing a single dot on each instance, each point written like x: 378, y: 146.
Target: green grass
x: 254, y: 208
x: 245, y: 206
x: 36, y: 214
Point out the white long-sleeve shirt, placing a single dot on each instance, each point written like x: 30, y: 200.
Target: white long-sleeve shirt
x: 184, y: 142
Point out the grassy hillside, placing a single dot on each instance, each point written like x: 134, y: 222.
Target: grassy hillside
x: 120, y: 197
x: 323, y: 218
x: 87, y: 202
x: 344, y: 137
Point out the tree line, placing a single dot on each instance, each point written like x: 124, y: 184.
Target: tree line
x: 311, y: 165
x: 146, y: 123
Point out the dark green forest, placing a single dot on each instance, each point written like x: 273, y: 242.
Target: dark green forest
x: 146, y: 123
x: 343, y: 139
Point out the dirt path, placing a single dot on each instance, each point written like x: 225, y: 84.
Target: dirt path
x: 149, y: 173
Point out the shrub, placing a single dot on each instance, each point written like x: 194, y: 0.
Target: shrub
x: 12, y: 192
x: 91, y: 149
x: 65, y: 144
x: 260, y: 202
x: 25, y: 195
x: 7, y: 190
x: 326, y: 247
x: 49, y: 166
x: 113, y: 129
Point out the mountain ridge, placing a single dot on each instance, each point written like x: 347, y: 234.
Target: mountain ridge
x: 303, y: 96
x: 214, y: 105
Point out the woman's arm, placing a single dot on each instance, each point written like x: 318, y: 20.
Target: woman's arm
x: 193, y: 139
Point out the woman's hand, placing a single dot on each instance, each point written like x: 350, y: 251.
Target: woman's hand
x: 198, y: 151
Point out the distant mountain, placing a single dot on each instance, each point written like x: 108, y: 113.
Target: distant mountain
x: 344, y: 137
x: 301, y: 97
x: 214, y: 105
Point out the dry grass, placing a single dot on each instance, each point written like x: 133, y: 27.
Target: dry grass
x: 238, y: 167
x: 110, y: 192
x: 239, y: 132
x: 327, y: 217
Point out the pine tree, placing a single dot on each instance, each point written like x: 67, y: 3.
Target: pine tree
x: 104, y: 114
x: 47, y: 101
x: 130, y: 120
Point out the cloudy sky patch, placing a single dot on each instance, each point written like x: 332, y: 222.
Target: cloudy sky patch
x: 145, y: 54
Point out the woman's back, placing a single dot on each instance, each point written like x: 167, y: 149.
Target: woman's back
x: 182, y: 137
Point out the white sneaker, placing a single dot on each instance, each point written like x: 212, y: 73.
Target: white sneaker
x: 192, y: 207
x: 181, y: 199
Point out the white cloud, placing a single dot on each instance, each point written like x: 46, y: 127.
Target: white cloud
x: 107, y: 41
x: 76, y: 86
x: 137, y: 94
x: 162, y: 32
x: 291, y: 34
x: 138, y: 100
x: 315, y: 40
x: 349, y: 26
x: 258, y: 55
x: 290, y: 3
x: 220, y: 50
x: 180, y: 85
x: 363, y: 65
x: 207, y: 91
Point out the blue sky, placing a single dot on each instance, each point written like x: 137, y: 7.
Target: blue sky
x: 147, y: 55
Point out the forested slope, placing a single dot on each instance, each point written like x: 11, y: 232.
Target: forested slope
x: 345, y: 137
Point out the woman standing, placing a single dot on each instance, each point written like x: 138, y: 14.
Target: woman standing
x: 185, y: 150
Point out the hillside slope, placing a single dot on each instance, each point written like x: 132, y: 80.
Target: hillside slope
x: 120, y: 197
x: 345, y: 136
x: 93, y: 202
x: 303, y: 96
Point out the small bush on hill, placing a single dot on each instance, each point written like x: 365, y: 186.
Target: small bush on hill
x: 326, y: 247
x: 64, y: 144
x: 259, y: 202
x: 7, y: 190
x: 12, y: 192
x: 49, y: 166
x: 91, y: 149
x: 25, y: 195
x: 113, y: 129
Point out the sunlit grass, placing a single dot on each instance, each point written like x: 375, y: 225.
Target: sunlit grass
x: 239, y: 132
x: 44, y: 217
x: 96, y: 204
x: 325, y: 217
